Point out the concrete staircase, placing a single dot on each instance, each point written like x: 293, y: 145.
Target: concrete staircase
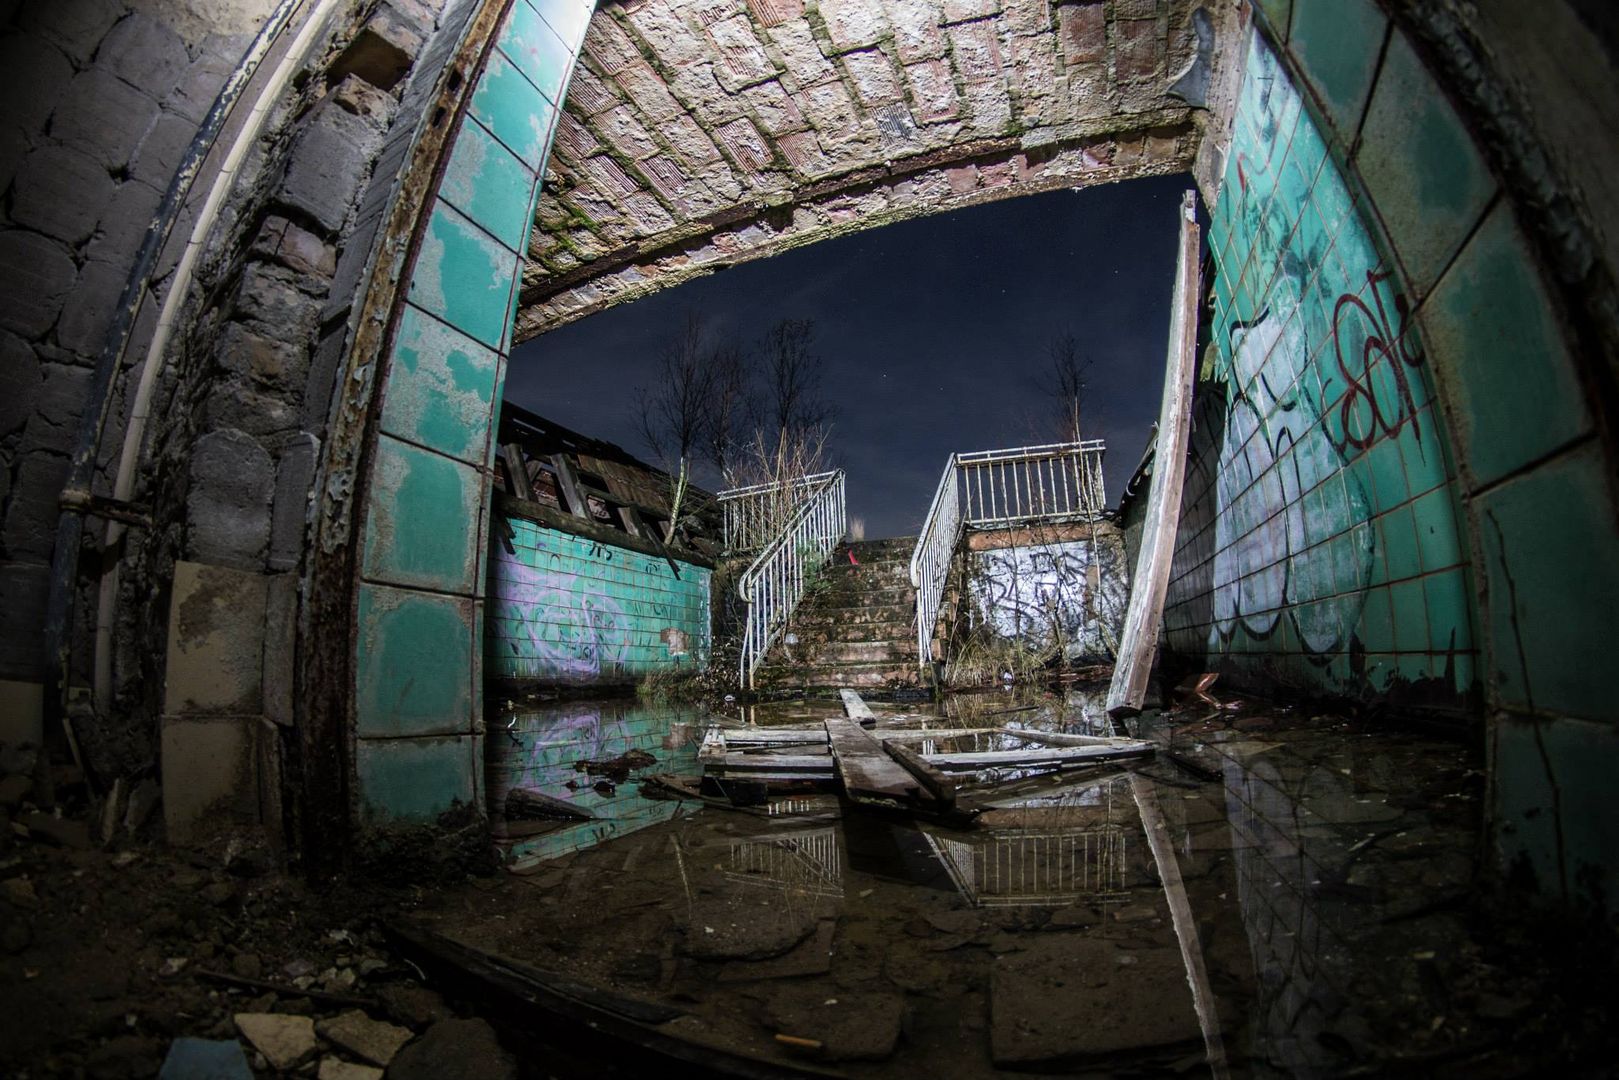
x: 858, y: 629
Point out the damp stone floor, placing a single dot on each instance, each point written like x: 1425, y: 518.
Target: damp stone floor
x: 1275, y: 893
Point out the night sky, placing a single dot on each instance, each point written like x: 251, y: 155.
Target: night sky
x: 933, y: 331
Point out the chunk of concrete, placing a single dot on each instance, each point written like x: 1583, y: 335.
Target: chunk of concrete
x: 285, y: 1041
x: 337, y: 1069
x: 454, y: 1050
x: 375, y: 1041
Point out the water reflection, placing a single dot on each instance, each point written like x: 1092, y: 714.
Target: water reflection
x: 1268, y: 908
x: 541, y: 750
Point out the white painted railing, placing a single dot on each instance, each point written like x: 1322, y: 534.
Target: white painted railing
x: 994, y: 489
x: 755, y: 515
x: 773, y: 585
x: 930, y: 563
x: 1057, y: 482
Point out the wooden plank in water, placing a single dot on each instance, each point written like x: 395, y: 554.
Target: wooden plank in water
x: 713, y: 748
x: 940, y: 786
x: 1063, y: 738
x: 1033, y: 756
x: 855, y: 707
x: 1138, y: 643
x: 866, y: 772
x: 771, y: 763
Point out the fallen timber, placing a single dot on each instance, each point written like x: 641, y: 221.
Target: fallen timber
x: 883, y: 768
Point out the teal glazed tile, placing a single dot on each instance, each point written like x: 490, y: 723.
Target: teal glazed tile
x: 1499, y: 355
x: 1551, y: 560
x: 422, y: 526
x: 489, y: 185
x: 509, y: 105
x: 1422, y: 169
x: 1337, y: 43
x: 413, y: 780
x: 1398, y: 532
x: 1410, y: 607
x: 536, y: 50
x: 1422, y: 450
x: 440, y: 388
x: 1376, y: 626
x: 1438, y: 542
x: 464, y: 276
x: 568, y: 18
x: 414, y: 655
x: 1450, y: 611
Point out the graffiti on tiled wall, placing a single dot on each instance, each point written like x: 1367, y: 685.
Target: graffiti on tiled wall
x: 1072, y: 592
x: 1319, y: 540
x: 566, y: 609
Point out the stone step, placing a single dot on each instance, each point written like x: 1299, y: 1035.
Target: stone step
x: 850, y: 595
x: 865, y: 675
x: 816, y: 653
x: 813, y: 631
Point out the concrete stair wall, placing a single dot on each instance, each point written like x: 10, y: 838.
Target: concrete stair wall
x: 857, y: 630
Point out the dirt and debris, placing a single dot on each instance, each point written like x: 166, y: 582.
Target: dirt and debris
x: 1329, y: 866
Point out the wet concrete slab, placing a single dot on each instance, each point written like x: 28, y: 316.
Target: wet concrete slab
x: 1300, y: 909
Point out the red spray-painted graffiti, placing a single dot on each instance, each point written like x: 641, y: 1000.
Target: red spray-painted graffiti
x: 1363, y: 415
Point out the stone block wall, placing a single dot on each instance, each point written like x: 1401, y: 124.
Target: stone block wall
x: 102, y: 99
x: 567, y: 610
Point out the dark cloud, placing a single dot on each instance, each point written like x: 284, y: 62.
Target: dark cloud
x: 933, y: 332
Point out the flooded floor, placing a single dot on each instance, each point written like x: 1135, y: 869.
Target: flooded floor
x: 1274, y: 893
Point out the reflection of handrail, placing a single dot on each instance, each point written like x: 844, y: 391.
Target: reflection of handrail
x: 773, y: 585
x: 990, y: 488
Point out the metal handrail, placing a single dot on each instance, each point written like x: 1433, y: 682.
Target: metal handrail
x: 992, y: 488
x: 755, y: 515
x: 773, y: 584
x: 1055, y: 482
x: 930, y: 562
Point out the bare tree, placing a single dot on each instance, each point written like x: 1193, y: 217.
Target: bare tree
x: 673, y: 413
x: 730, y: 401
x: 792, y: 405
x: 1064, y: 381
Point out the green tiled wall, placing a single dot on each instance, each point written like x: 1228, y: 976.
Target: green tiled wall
x: 1320, y: 546
x: 1394, y: 485
x: 564, y: 609
x: 419, y: 679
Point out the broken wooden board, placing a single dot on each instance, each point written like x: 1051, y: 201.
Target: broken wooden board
x: 713, y: 748
x: 856, y: 709
x: 1138, y: 642
x: 1062, y: 738
x: 866, y: 772
x: 940, y: 786
x: 1034, y: 757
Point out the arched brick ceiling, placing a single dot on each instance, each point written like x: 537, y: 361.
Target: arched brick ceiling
x: 700, y: 133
